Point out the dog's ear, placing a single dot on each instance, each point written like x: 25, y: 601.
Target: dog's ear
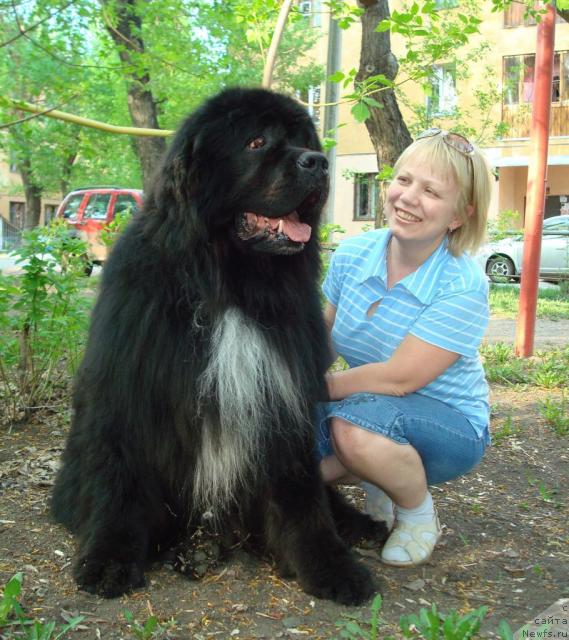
x: 176, y: 169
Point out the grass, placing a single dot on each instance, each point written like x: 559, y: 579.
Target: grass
x: 556, y: 415
x: 428, y: 624
x: 14, y: 623
x: 552, y: 304
x: 547, y: 369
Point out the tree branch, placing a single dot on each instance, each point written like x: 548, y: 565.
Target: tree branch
x: 85, y: 122
x: 277, y: 36
x: 22, y: 32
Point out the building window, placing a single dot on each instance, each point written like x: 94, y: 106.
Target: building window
x: 518, y: 78
x: 516, y: 15
x: 312, y: 9
x: 311, y: 98
x: 17, y: 214
x: 442, y: 100
x: 366, y: 190
x: 49, y: 213
x: 445, y: 4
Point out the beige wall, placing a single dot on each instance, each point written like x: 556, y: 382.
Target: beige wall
x: 11, y: 190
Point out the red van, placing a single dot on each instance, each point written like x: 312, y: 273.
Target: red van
x: 89, y: 210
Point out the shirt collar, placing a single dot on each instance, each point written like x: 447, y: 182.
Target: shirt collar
x: 376, y: 266
x: 421, y: 283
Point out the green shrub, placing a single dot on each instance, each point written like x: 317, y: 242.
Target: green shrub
x: 14, y: 623
x: 43, y: 317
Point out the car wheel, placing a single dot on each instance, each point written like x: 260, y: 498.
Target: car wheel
x: 500, y: 269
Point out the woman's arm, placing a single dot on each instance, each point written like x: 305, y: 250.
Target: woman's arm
x: 414, y: 364
x: 329, y: 318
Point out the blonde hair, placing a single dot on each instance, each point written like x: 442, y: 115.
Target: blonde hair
x: 474, y: 177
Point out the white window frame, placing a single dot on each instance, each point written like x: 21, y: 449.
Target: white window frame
x: 444, y: 79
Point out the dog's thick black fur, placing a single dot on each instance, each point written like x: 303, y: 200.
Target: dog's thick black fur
x: 206, y: 356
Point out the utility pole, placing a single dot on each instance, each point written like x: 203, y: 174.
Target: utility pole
x: 537, y: 176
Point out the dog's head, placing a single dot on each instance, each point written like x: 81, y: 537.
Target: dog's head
x: 249, y: 166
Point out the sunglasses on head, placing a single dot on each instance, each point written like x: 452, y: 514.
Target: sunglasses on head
x: 454, y: 140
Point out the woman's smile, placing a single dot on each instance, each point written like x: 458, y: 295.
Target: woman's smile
x: 406, y: 216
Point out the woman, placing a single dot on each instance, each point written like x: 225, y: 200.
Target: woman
x: 407, y: 308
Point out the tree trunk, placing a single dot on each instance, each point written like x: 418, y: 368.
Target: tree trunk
x: 33, y: 194
x: 68, y: 162
x: 141, y: 103
x: 386, y: 127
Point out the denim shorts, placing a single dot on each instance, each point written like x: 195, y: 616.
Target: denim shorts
x: 447, y: 442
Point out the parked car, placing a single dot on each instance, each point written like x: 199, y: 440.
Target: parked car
x: 88, y: 210
x: 502, y: 260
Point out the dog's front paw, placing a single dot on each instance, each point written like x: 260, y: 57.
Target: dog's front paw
x: 343, y: 580
x: 198, y: 555
x: 108, y: 578
x: 361, y: 527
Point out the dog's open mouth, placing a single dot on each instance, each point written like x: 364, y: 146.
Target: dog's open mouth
x: 274, y: 235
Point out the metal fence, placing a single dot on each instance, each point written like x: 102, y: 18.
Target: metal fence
x: 10, y: 236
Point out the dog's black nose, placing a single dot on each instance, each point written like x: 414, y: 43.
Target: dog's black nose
x: 313, y: 161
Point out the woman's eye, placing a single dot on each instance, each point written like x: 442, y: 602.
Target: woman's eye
x: 257, y: 143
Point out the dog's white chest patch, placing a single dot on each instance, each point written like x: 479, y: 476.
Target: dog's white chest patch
x: 249, y: 385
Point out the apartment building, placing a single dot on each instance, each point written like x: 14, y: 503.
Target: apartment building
x: 511, y: 58
x: 13, y: 205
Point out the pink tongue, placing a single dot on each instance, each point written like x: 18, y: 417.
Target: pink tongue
x: 294, y: 229
x: 291, y: 226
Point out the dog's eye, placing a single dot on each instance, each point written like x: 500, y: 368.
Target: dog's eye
x: 256, y: 143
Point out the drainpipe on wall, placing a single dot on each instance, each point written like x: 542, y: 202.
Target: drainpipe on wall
x: 537, y: 176
x: 333, y: 64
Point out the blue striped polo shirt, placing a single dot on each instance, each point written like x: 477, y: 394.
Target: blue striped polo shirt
x: 444, y: 302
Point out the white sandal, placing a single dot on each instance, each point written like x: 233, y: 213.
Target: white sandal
x: 417, y: 541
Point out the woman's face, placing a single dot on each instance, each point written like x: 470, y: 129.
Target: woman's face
x: 421, y: 205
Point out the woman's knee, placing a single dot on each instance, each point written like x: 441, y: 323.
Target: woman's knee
x: 354, y: 444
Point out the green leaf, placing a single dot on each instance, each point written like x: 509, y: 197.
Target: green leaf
x: 382, y: 26
x: 338, y: 76
x: 372, y: 102
x: 360, y: 112
x: 505, y: 631
x: 13, y: 587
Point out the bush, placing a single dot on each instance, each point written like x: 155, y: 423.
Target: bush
x: 43, y: 318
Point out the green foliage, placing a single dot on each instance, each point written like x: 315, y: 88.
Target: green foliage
x: 431, y: 624
x: 13, y: 619
x: 344, y: 13
x: 9, y: 604
x: 355, y: 629
x: 115, y: 227
x: 551, y: 303
x: 505, y: 224
x: 548, y: 369
x: 504, y: 431
x: 428, y: 624
x: 43, y: 316
x: 532, y: 10
x: 150, y: 630
x: 556, y: 415
x: 326, y: 230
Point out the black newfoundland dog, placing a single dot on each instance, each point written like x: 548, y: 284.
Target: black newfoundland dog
x: 206, y: 356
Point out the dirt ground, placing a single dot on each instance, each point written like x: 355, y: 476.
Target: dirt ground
x: 505, y: 545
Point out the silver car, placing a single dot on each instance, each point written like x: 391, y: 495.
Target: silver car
x: 502, y: 260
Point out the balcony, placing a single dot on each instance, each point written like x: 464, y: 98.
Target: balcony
x: 518, y: 119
